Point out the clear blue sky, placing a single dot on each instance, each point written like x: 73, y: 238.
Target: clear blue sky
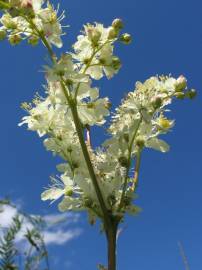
x: 167, y: 39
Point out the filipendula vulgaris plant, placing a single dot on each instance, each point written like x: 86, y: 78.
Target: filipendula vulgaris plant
x: 99, y: 180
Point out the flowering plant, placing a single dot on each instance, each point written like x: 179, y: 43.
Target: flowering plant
x: 99, y: 181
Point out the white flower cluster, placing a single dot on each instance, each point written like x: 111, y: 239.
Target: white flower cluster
x: 140, y: 119
x: 97, y: 42
x: 30, y: 19
x: 99, y: 180
x: 52, y: 117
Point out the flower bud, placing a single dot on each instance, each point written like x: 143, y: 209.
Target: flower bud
x: 113, y: 33
x: 157, y: 102
x: 88, y: 202
x: 127, y: 200
x: 14, y: 12
x: 108, y: 105
x: 102, y: 61
x: 181, y: 84
x: 116, y: 63
x: 69, y: 149
x: 123, y: 161
x: 86, y: 61
x: 90, y: 105
x: 15, y: 39
x: 126, y: 38
x: 69, y: 82
x: 180, y: 95
x: 140, y: 142
x: 33, y: 41
x: 191, y: 94
x: 68, y: 192
x: 117, y: 24
x: 3, y: 34
x: 126, y: 137
x: 111, y: 199
x: 75, y: 165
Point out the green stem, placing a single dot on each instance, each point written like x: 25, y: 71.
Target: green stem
x: 129, y: 163
x: 89, y: 64
x: 42, y: 37
x: 111, y: 235
x: 109, y: 223
x: 4, y: 5
x: 137, y: 169
x: 93, y: 177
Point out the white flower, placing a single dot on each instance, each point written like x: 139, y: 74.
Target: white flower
x: 94, y: 52
x: 45, y: 20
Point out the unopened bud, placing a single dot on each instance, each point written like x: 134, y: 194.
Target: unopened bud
x: 60, y: 72
x: 191, y: 94
x: 180, y: 95
x: 116, y: 63
x: 126, y: 137
x: 140, y: 142
x: 33, y: 41
x: 127, y: 200
x: 126, y: 38
x: 181, y: 84
x: 69, y: 149
x: 15, y: 39
x: 117, y: 24
x: 68, y: 192
x: 113, y: 33
x: 157, y: 102
x: 91, y: 105
x: 86, y: 61
x: 69, y: 82
x: 108, y: 105
x: 112, y: 199
x: 123, y: 161
x: 75, y: 165
x: 88, y: 202
x: 14, y: 12
x: 2, y: 34
x: 102, y: 61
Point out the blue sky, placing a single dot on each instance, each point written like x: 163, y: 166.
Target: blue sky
x: 167, y: 39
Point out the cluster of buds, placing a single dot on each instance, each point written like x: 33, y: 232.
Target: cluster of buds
x: 114, y: 32
x: 98, y: 41
x: 181, y: 89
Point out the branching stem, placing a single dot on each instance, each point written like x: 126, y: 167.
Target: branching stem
x: 129, y: 163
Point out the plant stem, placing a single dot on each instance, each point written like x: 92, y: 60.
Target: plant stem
x: 129, y: 162
x: 111, y: 234
x: 137, y: 169
x: 89, y: 165
x: 93, y: 177
x: 73, y: 107
x: 110, y: 222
